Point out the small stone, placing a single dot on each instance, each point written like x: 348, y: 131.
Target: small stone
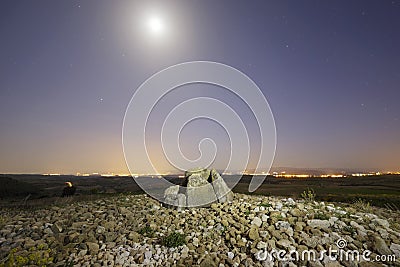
x: 283, y: 243
x: 330, y: 208
x: 384, y: 234
x: 380, y: 245
x: 208, y: 262
x: 278, y: 206
x: 264, y: 234
x: 262, y: 255
x: 333, y: 264
x: 322, y: 224
x: 133, y: 236
x: 48, y: 231
x: 29, y: 243
x: 290, y: 201
x: 253, y: 233
x: 381, y: 222
x: 296, y: 213
x: 396, y: 249
x: 110, y: 225
x: 148, y: 254
x: 257, y: 221
x: 341, y: 212
x: 282, y: 225
x: 82, y: 253
x: 56, y: 228
x: 195, y: 242
x: 316, y: 263
x: 92, y: 247
x: 333, y: 220
x: 74, y: 237
x: 299, y: 226
x: 262, y: 245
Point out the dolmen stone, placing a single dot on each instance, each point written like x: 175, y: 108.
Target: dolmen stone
x: 199, y: 191
x: 200, y: 188
x: 172, y: 197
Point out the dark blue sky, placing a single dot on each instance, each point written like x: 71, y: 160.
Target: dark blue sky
x: 329, y: 69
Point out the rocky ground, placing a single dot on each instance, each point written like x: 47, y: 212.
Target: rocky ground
x: 129, y: 230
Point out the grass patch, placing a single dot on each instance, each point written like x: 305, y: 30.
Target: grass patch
x: 69, y: 263
x: 321, y: 216
x: 267, y: 205
x: 35, y: 256
x: 2, y: 221
x: 308, y: 195
x: 174, y: 239
x: 362, y: 205
x: 349, y: 229
x: 147, y: 231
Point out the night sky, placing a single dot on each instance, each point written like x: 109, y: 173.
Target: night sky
x: 330, y: 71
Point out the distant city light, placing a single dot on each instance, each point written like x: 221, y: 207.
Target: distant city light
x: 282, y: 174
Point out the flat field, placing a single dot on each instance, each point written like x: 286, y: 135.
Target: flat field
x: 382, y: 191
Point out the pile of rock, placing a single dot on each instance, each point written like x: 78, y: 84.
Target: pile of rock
x: 127, y: 230
x: 201, y: 187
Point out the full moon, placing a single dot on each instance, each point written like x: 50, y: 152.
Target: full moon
x: 156, y: 25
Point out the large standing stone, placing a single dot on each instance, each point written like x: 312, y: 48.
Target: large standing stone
x: 199, y: 191
x: 181, y: 200
x: 196, y: 180
x: 172, y: 190
x: 222, y: 191
x: 177, y: 200
x: 203, y: 187
x: 204, y: 173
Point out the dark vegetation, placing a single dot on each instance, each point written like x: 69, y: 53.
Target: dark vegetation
x: 146, y: 231
x: 380, y: 191
x: 174, y: 239
x: 12, y: 187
